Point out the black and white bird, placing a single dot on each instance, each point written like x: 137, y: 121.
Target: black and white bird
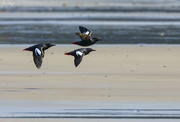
x: 78, y: 54
x: 85, y: 37
x: 38, y: 52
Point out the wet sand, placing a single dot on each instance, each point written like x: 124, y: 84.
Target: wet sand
x: 114, y: 77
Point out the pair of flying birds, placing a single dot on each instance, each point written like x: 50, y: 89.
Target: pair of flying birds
x: 86, y: 40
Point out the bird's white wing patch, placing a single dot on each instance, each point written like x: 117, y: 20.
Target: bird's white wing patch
x: 78, y: 53
x: 87, y: 32
x: 37, y: 52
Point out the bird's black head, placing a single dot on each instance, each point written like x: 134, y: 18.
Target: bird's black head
x: 96, y: 39
x: 48, y: 45
x: 88, y: 50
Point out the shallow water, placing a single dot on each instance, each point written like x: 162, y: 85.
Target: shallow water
x: 116, y: 22
x: 87, y: 110
x: 63, y: 32
x: 102, y: 114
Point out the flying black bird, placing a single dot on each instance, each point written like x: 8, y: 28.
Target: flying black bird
x: 85, y: 36
x: 78, y: 54
x: 38, y: 52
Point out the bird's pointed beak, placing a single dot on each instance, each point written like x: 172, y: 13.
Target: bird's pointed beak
x: 53, y: 45
x: 93, y: 50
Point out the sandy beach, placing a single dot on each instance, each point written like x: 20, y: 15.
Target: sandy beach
x: 112, y: 77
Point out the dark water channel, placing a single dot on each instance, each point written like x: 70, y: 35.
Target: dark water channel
x: 120, y: 33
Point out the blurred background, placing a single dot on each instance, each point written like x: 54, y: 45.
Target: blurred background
x: 115, y: 21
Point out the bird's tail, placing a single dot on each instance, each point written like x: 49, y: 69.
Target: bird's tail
x: 26, y: 49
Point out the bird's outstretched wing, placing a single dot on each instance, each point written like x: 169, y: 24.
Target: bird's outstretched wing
x: 77, y: 61
x: 83, y: 36
x: 84, y: 30
x: 78, y: 58
x: 85, y: 33
x: 37, y: 56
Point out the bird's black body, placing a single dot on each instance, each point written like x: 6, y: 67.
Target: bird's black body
x: 78, y: 54
x: 38, y: 52
x: 85, y: 36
